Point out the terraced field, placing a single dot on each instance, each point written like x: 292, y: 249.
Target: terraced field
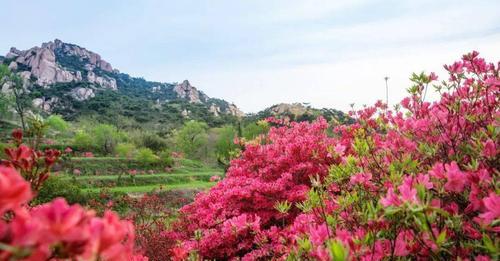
x: 187, y: 174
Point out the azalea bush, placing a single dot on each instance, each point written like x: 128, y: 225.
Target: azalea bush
x: 57, y: 230
x: 34, y: 165
x: 418, y: 181
x: 54, y: 230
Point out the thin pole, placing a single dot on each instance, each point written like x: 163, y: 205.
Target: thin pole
x: 386, y: 78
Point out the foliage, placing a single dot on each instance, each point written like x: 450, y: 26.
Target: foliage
x: 421, y: 184
x: 83, y: 141
x: 108, y: 165
x: 57, y: 123
x: 22, y: 100
x: 225, y: 147
x: 153, y: 141
x: 56, y: 187
x: 105, y: 137
x: 166, y: 158
x: 146, y: 155
x: 125, y: 150
x: 255, y: 129
x: 192, y: 138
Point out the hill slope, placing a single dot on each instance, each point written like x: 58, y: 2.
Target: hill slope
x: 72, y: 81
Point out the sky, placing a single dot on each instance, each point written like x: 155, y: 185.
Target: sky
x: 257, y: 53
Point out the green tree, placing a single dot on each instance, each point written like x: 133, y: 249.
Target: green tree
x: 125, y: 150
x: 106, y: 137
x: 146, y: 156
x: 192, y: 138
x: 22, y: 101
x: 83, y: 141
x: 225, y: 149
x: 252, y: 130
x: 5, y: 104
x: 57, y: 123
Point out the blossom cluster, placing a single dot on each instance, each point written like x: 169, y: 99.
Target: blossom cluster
x: 57, y: 230
x: 419, y: 181
x: 33, y: 165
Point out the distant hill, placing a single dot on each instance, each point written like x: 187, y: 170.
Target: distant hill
x: 300, y: 112
x: 72, y: 81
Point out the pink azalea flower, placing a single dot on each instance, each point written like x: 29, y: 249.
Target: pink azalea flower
x: 339, y: 149
x: 391, y: 199
x: 425, y: 181
x: 408, y: 193
x: 492, y: 205
x: 456, y: 178
x: 489, y: 149
x: 361, y: 178
x: 318, y: 234
x: 14, y: 190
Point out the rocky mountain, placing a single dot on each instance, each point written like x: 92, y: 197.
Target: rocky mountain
x: 300, y: 112
x: 70, y: 80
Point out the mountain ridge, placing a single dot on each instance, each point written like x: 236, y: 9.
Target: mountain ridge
x: 73, y: 81
x: 56, y: 62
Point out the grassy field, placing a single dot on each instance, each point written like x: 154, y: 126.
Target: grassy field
x: 187, y: 174
x: 148, y: 188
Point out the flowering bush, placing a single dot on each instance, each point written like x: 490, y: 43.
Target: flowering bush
x: 57, y: 230
x: 33, y: 165
x: 420, y: 181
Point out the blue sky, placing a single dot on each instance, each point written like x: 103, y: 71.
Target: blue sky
x: 258, y: 53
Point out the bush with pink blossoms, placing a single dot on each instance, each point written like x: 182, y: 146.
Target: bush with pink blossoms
x: 57, y: 230
x: 420, y: 182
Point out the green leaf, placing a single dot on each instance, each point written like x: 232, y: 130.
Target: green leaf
x: 337, y: 251
x: 441, y: 238
x: 488, y: 243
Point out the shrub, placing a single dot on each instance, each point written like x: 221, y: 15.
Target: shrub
x: 166, y: 158
x: 57, y: 123
x: 83, y: 141
x: 106, y: 137
x: 146, y: 155
x: 153, y: 142
x: 192, y: 138
x: 55, y: 187
x: 57, y: 230
x: 422, y: 184
x: 125, y: 150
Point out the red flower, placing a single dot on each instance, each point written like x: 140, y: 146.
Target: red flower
x: 14, y: 190
x: 179, y: 254
x: 17, y: 135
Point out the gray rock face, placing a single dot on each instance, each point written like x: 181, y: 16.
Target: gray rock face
x: 235, y: 111
x: 190, y: 93
x: 105, y: 81
x: 82, y: 94
x: 45, y: 104
x: 43, y: 64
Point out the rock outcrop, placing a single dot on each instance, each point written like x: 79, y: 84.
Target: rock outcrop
x: 46, y: 64
x: 57, y: 62
x: 82, y: 94
x: 190, y: 93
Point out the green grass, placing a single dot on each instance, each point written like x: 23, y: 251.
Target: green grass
x: 186, y: 174
x: 145, y: 176
x: 148, y: 188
